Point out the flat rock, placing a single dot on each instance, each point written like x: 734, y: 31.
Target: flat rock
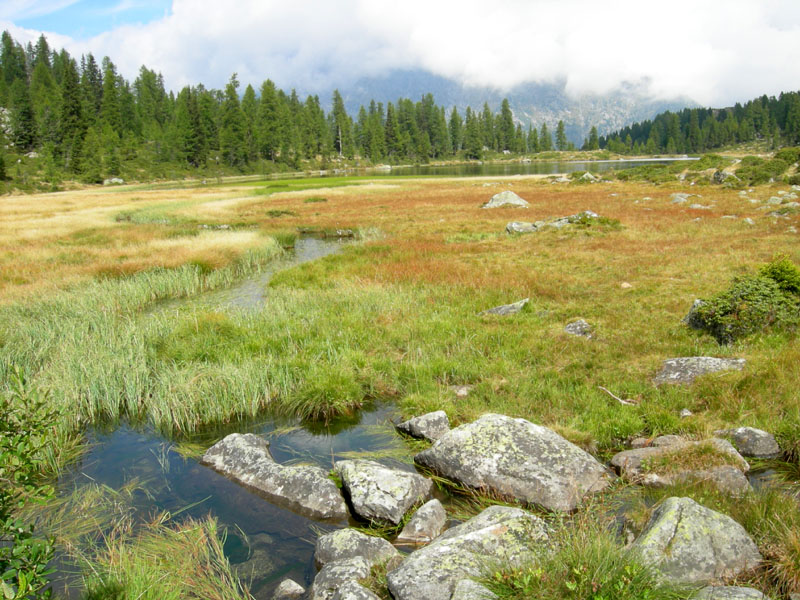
x: 427, y: 523
x: 350, y: 543
x: 379, y: 493
x: 461, y: 391
x: 506, y: 198
x: 685, y: 370
x: 499, y: 534
x: 430, y: 426
x: 336, y: 574
x: 245, y: 458
x: 691, y: 544
x: 467, y: 589
x: 579, y: 327
x: 750, y: 441
x: 729, y: 593
x: 288, y: 589
x: 507, y: 309
x: 516, y: 459
x: 523, y: 227
x: 352, y: 590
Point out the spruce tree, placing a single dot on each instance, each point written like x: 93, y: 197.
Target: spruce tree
x: 456, y: 127
x: 505, y: 127
x: 561, y: 136
x: 71, y: 125
x: 545, y: 139
x: 342, y: 127
x: 231, y: 131
x: 23, y: 123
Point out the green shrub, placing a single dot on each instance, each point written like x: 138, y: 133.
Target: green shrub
x: 754, y: 170
x: 710, y: 161
x: 789, y: 155
x: 794, y: 179
x: 752, y: 304
x: 783, y: 272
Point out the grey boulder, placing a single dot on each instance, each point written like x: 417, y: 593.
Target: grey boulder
x: 379, y: 493
x: 750, y: 441
x: 523, y: 227
x: 466, y: 589
x: 352, y: 590
x: 507, y: 309
x: 692, y: 318
x: 336, y: 574
x: 501, y: 534
x: 245, y: 458
x: 690, y: 544
x: 516, y: 459
x: 430, y: 426
x: 351, y: 543
x: 686, y: 370
x: 507, y: 198
x: 729, y: 593
x: 426, y: 524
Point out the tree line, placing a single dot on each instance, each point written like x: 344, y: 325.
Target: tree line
x: 86, y: 120
x: 694, y: 130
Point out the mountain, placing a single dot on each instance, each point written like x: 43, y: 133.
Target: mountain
x: 531, y: 103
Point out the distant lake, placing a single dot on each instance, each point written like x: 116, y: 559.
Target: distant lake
x: 520, y: 168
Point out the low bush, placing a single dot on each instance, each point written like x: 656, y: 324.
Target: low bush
x: 768, y: 300
x: 790, y: 155
x: 754, y: 170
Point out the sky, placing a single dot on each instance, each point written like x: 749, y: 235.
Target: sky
x: 715, y: 52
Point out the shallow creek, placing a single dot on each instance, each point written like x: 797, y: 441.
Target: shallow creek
x: 265, y: 543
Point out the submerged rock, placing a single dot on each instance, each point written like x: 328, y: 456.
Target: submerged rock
x: 688, y: 543
x: 288, y: 589
x: 517, y: 459
x: 430, y: 426
x: 507, y: 198
x: 244, y: 457
x: 379, y: 493
x: 426, y: 524
x: 750, y: 441
x: 499, y: 534
x: 336, y: 574
x: 507, y: 309
x: 685, y: 370
x: 351, y: 543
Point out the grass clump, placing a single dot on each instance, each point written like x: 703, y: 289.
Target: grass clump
x: 588, y: 563
x: 768, y: 300
x: 314, y: 199
x: 696, y: 457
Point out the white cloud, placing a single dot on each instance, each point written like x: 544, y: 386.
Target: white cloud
x: 714, y: 51
x: 14, y: 10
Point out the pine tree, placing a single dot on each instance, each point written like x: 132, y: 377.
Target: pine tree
x: 561, y: 136
x: 392, y: 129
x: 456, y: 127
x: 594, y: 141
x: 533, y: 140
x: 545, y: 139
x: 110, y: 111
x: 231, y: 130
x: 342, y: 127
x: 487, y: 127
x: 505, y: 127
x: 249, y: 111
x: 473, y: 136
x: 23, y: 122
x: 71, y: 125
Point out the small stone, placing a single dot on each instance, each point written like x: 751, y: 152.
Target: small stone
x: 334, y: 575
x: 625, y: 285
x: 426, y: 524
x: 288, y: 589
x: 730, y: 593
x: 580, y: 328
x: 462, y: 391
x: 507, y: 198
x: 521, y: 227
x: 750, y: 441
x: 749, y: 221
x: 430, y: 426
x: 699, y: 207
x: 506, y: 309
x: 686, y: 413
x: 686, y: 370
x: 352, y: 590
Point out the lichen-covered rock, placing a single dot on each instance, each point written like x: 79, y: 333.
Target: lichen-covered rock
x: 579, y: 327
x: 689, y: 543
x: 499, y: 534
x: 350, y: 543
x: 750, y: 441
x: 729, y: 593
x: 467, y: 589
x: 523, y: 227
x: 379, y: 493
x: 517, y: 459
x: 288, y: 589
x: 245, y: 458
x: 352, y: 590
x: 506, y: 198
x: 685, y: 370
x: 643, y: 465
x: 336, y: 574
x: 426, y: 524
x: 430, y: 426
x: 507, y: 309
x: 692, y: 318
